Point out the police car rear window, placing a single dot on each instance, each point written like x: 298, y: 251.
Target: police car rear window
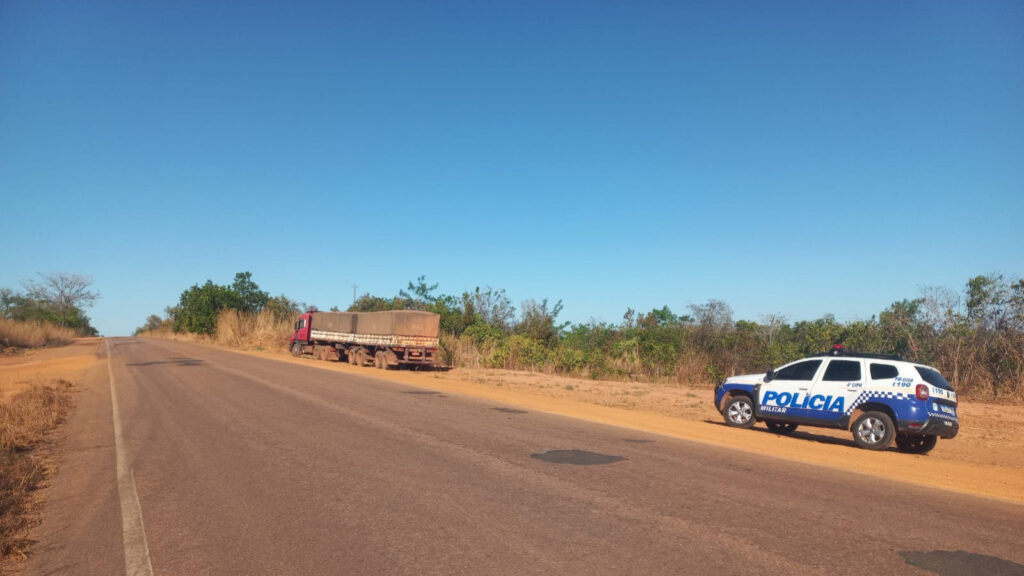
x: 842, y: 371
x: 883, y: 371
x: 933, y: 377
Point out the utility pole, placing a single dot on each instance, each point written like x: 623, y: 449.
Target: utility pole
x: 354, y: 287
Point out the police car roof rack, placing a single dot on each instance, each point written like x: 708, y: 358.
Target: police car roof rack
x: 840, y: 350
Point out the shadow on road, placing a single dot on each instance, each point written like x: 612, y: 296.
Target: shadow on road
x: 961, y: 563
x: 801, y: 434
x: 170, y: 362
x: 576, y: 457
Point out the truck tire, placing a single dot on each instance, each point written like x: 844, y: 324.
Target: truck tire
x: 873, y: 430
x: 360, y: 358
x: 916, y: 443
x: 296, y: 349
x: 739, y: 412
x: 380, y: 361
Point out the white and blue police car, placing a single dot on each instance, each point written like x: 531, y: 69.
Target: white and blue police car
x: 878, y: 398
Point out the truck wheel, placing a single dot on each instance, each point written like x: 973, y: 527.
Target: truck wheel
x: 352, y: 356
x: 360, y: 358
x: 781, y: 427
x: 739, y: 412
x: 296, y: 349
x: 916, y: 443
x: 873, y: 430
x: 380, y: 361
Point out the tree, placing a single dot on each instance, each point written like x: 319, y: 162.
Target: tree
x: 659, y: 317
x: 715, y: 315
x: 369, y: 303
x: 283, y: 308
x: 901, y: 324
x: 538, y: 322
x: 418, y: 296
x: 65, y: 294
x: 492, y: 306
x: 153, y: 323
x: 199, y: 306
x: 8, y: 302
x: 250, y: 298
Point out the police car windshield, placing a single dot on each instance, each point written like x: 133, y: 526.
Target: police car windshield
x: 933, y: 377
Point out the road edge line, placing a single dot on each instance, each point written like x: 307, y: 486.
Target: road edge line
x: 136, y: 549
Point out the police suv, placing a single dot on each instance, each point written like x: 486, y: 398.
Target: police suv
x: 878, y: 398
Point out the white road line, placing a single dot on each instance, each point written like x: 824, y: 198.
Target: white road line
x: 136, y: 550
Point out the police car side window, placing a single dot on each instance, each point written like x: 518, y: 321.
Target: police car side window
x: 799, y: 371
x: 883, y: 371
x: 842, y: 371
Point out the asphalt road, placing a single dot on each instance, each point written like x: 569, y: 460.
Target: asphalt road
x: 249, y: 466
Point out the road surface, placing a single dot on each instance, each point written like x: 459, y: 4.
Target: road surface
x: 232, y: 464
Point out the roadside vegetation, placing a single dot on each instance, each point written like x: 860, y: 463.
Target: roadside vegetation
x: 50, y: 312
x: 239, y: 315
x: 15, y: 334
x: 25, y: 420
x: 975, y: 337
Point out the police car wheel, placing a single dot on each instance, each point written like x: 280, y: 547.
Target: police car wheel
x: 873, y: 430
x: 739, y: 412
x: 781, y: 427
x: 916, y: 443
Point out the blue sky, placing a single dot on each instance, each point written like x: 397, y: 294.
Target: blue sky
x: 800, y: 158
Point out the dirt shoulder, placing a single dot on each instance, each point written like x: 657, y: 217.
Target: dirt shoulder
x: 985, y: 459
x: 36, y: 395
x: 43, y: 365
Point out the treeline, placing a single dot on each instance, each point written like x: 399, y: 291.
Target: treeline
x: 50, y: 310
x: 200, y: 307
x: 975, y: 337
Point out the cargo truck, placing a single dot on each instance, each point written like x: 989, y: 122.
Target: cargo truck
x: 382, y: 339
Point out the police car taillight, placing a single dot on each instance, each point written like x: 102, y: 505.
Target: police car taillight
x: 922, y: 392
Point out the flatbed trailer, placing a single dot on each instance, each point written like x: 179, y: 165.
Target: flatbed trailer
x: 387, y: 339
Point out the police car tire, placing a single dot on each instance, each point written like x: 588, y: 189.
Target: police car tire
x: 781, y: 427
x: 737, y: 407
x: 873, y: 430
x: 916, y: 443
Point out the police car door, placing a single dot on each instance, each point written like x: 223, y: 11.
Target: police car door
x: 785, y: 395
x: 842, y: 381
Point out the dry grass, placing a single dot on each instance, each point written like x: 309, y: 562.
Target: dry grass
x: 169, y: 334
x: 25, y: 419
x: 459, y: 352
x: 14, y: 334
x: 252, y: 331
x: 236, y: 329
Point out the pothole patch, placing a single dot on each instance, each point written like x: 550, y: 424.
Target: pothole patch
x: 576, y: 457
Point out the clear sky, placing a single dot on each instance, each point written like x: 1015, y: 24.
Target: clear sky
x: 800, y: 158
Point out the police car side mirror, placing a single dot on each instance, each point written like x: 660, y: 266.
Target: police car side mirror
x: 769, y: 376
